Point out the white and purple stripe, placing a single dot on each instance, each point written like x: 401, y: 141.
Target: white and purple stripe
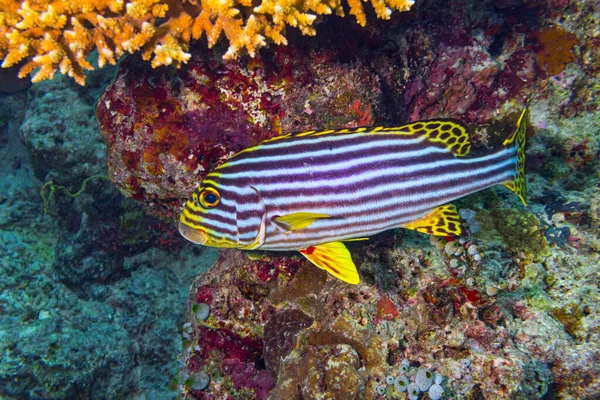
x: 367, y: 183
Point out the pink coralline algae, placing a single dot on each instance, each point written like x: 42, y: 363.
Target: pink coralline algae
x: 245, y: 376
x: 234, y: 347
x: 232, y: 354
x: 466, y: 83
x: 272, y: 267
x: 166, y: 129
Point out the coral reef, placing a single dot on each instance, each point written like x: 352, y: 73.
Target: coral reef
x: 315, y: 336
x: 59, y: 35
x: 91, y: 293
x: 479, y: 310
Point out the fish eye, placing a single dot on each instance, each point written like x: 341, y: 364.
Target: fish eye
x: 209, y: 198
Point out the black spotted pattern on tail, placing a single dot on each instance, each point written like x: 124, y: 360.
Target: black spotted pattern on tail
x: 518, y: 138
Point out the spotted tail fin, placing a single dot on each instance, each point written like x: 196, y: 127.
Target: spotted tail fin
x: 517, y: 184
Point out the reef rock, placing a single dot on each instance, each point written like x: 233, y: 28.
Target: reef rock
x: 279, y: 327
x: 166, y: 129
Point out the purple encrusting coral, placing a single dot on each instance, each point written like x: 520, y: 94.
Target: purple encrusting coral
x: 238, y: 357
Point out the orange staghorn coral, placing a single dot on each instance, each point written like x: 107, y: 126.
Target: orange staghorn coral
x: 47, y: 36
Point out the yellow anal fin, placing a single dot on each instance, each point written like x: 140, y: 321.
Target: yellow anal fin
x: 442, y: 221
x: 518, y: 138
x: 298, y: 220
x: 334, y: 258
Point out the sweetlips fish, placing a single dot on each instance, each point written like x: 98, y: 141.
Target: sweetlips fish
x: 312, y: 191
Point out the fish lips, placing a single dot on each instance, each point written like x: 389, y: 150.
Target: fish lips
x: 196, y: 236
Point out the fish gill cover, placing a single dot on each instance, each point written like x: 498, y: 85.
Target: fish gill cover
x: 93, y: 293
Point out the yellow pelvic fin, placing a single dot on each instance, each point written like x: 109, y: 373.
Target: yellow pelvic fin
x: 518, y: 138
x: 299, y: 220
x: 334, y: 258
x: 442, y: 221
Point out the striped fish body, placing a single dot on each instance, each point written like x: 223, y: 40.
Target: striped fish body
x: 311, y: 191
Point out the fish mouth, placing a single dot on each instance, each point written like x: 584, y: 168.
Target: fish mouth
x: 196, y: 236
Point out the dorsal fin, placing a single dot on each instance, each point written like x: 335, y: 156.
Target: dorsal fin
x: 449, y: 133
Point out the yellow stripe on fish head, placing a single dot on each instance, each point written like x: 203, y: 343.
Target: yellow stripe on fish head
x: 221, y: 215
x: 206, y: 220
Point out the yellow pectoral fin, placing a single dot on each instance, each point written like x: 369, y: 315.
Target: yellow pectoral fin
x: 299, y: 220
x: 442, y: 221
x: 334, y: 258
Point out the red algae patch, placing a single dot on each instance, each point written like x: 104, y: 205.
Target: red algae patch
x: 165, y: 130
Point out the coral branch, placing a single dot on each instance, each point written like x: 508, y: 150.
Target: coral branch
x: 48, y: 36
